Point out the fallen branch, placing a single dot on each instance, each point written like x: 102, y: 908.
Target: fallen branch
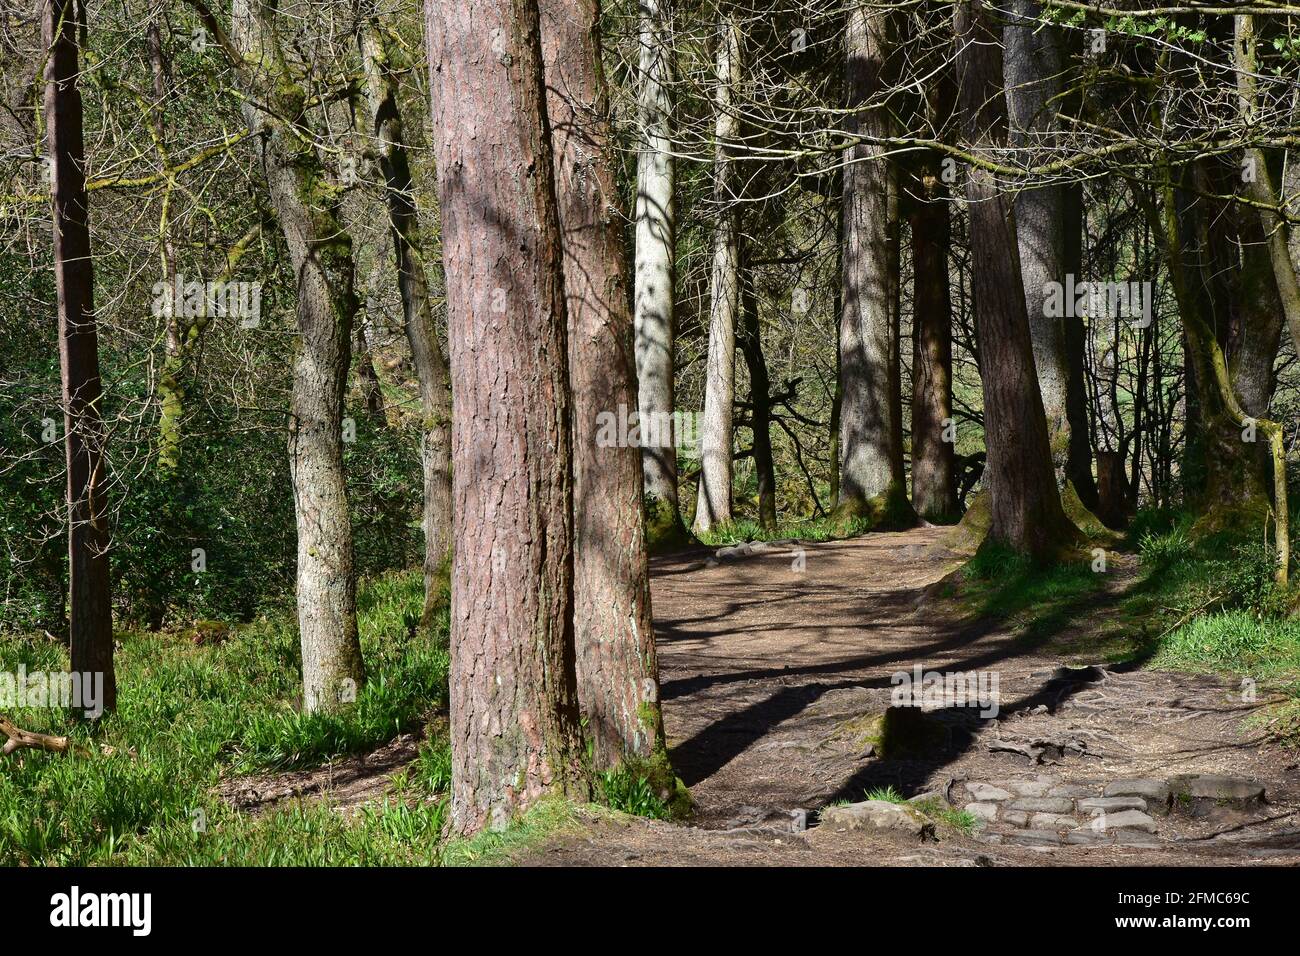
x: 19, y: 738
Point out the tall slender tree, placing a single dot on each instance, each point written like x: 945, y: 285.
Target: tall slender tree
x: 750, y: 340
x: 655, y: 270
x: 713, y: 504
x: 382, y: 66
x: 1034, y: 75
x: 870, y: 449
x: 275, y: 108
x: 934, y: 480
x: 89, y: 599
x: 1025, y: 506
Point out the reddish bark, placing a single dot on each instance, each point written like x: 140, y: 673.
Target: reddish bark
x: 514, y: 709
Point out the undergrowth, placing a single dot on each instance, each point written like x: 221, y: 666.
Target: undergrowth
x: 190, y: 715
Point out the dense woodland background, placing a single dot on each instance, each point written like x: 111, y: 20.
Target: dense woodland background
x: 866, y: 206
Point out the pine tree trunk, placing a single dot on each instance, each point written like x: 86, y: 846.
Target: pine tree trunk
x: 320, y: 251
x: 1035, y: 82
x: 655, y: 269
x: 89, y: 596
x: 617, y: 669
x: 713, y: 506
x: 934, y: 485
x: 1025, y: 506
x: 514, y: 710
x: 870, y: 456
x: 417, y: 311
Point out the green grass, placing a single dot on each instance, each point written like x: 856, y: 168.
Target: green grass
x: 887, y: 794
x: 1237, y: 642
x: 961, y: 820
x: 1210, y: 605
x: 188, y: 715
x: 626, y: 790
x: 540, y: 821
x: 1039, y: 599
x: 744, y: 530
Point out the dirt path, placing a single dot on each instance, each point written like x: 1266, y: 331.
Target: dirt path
x: 773, y: 664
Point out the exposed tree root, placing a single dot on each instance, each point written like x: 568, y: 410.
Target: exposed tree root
x: 19, y: 739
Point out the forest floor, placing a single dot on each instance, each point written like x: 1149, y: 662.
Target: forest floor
x: 775, y: 663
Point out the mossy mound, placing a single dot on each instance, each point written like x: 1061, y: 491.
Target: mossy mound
x: 888, y: 511
x: 1245, y: 518
x: 898, y: 732
x: 1094, y: 530
x: 664, y: 530
x: 968, y: 534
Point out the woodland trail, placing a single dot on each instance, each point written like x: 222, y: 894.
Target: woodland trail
x: 772, y: 663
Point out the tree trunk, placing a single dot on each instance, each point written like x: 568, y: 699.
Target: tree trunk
x: 1025, y: 505
x: 1259, y: 317
x: 515, y: 727
x: 1035, y: 81
x: 320, y: 251
x: 713, y: 505
x: 934, y: 486
x: 654, y: 278
x: 171, y: 378
x: 1078, y: 469
x: 367, y: 378
x: 617, y: 669
x: 870, y: 453
x: 1233, y: 485
x: 1260, y: 183
x: 90, y: 599
x: 760, y: 399
x: 417, y: 311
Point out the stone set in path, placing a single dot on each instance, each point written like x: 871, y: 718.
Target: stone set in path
x: 1045, y: 812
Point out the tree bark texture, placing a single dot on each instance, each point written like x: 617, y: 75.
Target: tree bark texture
x: 616, y: 665
x: 713, y: 504
x: 515, y: 728
x: 1025, y: 505
x: 89, y: 596
x: 320, y: 251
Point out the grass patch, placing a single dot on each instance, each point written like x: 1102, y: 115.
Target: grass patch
x: 1041, y: 599
x: 744, y: 530
x: 1237, y: 642
x: 539, y: 822
x: 189, y: 715
x: 887, y: 794
x: 1209, y: 604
